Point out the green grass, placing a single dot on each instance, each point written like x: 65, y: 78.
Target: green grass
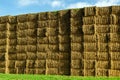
x: 51, y: 77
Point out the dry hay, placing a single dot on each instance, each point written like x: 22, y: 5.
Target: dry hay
x: 115, y: 65
x: 21, y: 48
x: 114, y: 73
x: 76, y: 46
x: 12, y: 34
x: 3, y: 42
x: 20, y: 64
x: 64, y: 38
x: 30, y: 71
x: 104, y: 38
x: 12, y: 70
x: 89, y: 64
x: 64, y: 56
x: 102, y: 65
x: 3, y: 34
x: 12, y: 56
x: 12, y: 41
x: 31, y: 41
x: 11, y: 63
x: 76, y: 55
x: 103, y: 47
x: 53, y: 55
x: 21, y: 56
x: 64, y: 30
x: 53, y: 15
x: 2, y: 56
x: 90, y: 47
x: 53, y: 39
x: 43, y: 24
x: 90, y: 38
x: 64, y: 47
x: 32, y: 32
x: 102, y: 56
x: 52, y: 71
x: 30, y: 64
x: 31, y: 25
x: 40, y: 64
x: 64, y: 15
x: 42, y: 16
x: 102, y: 72
x: 2, y: 64
x: 3, y: 48
x: 12, y: 27
x: 103, y: 11
x: 20, y: 70
x: 12, y: 19
x: 114, y: 29
x: 41, y: 55
x: 64, y: 63
x: 90, y: 72
x: 22, y: 26
x: 113, y: 19
x: 53, y: 23
x: 114, y: 37
x: 52, y: 63
x: 76, y: 13
x: 41, y: 32
x: 76, y: 30
x: 89, y: 11
x: 77, y: 64
x: 22, y: 18
x: 3, y: 27
x: 4, y: 19
x: 75, y: 22
x: 89, y: 20
x: 31, y: 48
x: 51, y: 32
x: 53, y: 47
x: 115, y: 10
x: 64, y: 71
x: 21, y: 33
x: 102, y: 29
x: 76, y: 38
x: 31, y: 55
x: 77, y: 72
x: 102, y: 20
x: 114, y: 47
x: 88, y: 29
x: 32, y: 17
x: 90, y: 55
x: 22, y: 41
x: 2, y: 70
x: 40, y: 71
x: 115, y: 55
x: 42, y: 47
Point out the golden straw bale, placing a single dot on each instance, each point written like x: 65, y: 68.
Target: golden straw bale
x: 77, y: 12
x: 53, y: 47
x: 31, y: 55
x: 4, y: 19
x: 41, y: 55
x: 114, y: 37
x: 115, y: 29
x: 64, y: 38
x: 77, y: 64
x: 32, y: 17
x: 20, y: 64
x: 89, y: 64
x: 103, y: 11
x: 76, y: 55
x: 115, y: 10
x: 40, y: 64
x: 90, y: 38
x: 75, y: 22
x: 31, y: 41
x: 76, y: 47
x: 115, y: 65
x: 89, y: 11
x: 43, y: 16
x: 30, y: 63
x: 12, y: 19
x: 30, y: 71
x: 42, y: 47
x: 53, y: 15
x: 22, y: 18
x: 114, y: 73
x: 53, y: 23
x: 3, y: 27
x: 114, y: 47
x: 20, y: 70
x: 21, y: 48
x: 51, y: 32
x: 32, y: 32
x: 102, y: 64
x: 52, y: 71
x: 103, y: 47
x: 43, y: 24
x: 2, y: 64
x: 102, y: 56
x: 76, y: 38
x: 3, y: 48
x: 21, y: 33
x: 64, y: 63
x: 2, y: 56
x: 42, y: 40
x: 102, y: 72
x: 88, y: 20
x: 12, y: 27
x: 88, y: 29
x: 64, y: 71
x: 52, y: 63
x: 113, y: 19
x: 102, y: 20
x: 64, y: 15
x: 31, y: 48
x: 76, y: 30
x: 41, y: 32
x: 64, y: 30
x: 53, y: 55
x: 11, y: 63
x: 90, y: 55
x: 31, y: 25
x: 21, y: 56
x: 77, y: 72
x: 115, y: 55
x: 90, y: 72
x: 64, y: 47
x: 103, y: 37
x: 53, y: 39
x: 64, y: 55
x: 41, y: 71
x: 12, y: 34
x: 3, y: 34
x: 102, y: 29
x: 90, y: 47
x: 12, y: 56
x: 22, y: 41
x: 3, y: 41
x: 22, y: 26
x: 12, y: 41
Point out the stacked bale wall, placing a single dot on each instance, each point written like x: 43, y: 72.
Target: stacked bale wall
x: 77, y: 42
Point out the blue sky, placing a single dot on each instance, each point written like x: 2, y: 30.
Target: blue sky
x: 16, y: 7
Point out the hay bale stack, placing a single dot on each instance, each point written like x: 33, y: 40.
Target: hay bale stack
x: 115, y: 10
x: 89, y: 11
x: 103, y: 11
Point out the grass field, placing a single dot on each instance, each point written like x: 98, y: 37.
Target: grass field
x: 51, y: 77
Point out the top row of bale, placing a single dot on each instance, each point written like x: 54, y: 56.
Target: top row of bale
x: 62, y: 14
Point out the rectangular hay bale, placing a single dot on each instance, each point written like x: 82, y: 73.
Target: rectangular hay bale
x: 104, y: 38
x: 22, y: 41
x: 102, y: 56
x: 52, y: 71
x: 41, y: 55
x: 102, y: 20
x: 42, y: 47
x: 30, y: 64
x: 90, y: 38
x: 53, y: 23
x: 22, y: 18
x: 20, y: 64
x: 89, y: 11
x: 64, y: 71
x: 102, y: 29
x: 2, y: 64
x: 76, y: 30
x: 12, y: 56
x: 64, y: 47
x: 76, y: 46
x: 31, y: 48
x: 90, y: 72
x: 103, y: 47
x: 53, y: 15
x: 42, y: 16
x: 75, y: 22
x: 114, y: 73
x: 115, y: 10
x: 3, y: 48
x: 3, y: 41
x: 89, y: 64
x: 102, y: 64
x: 64, y: 38
x: 32, y: 32
x: 12, y: 41
x: 77, y: 72
x: 76, y: 12
x: 43, y: 24
x: 102, y: 72
x: 76, y: 55
x: 64, y: 56
x: 11, y: 64
x: 53, y: 47
x: 89, y: 20
x: 21, y: 48
x: 31, y: 55
x: 3, y: 27
x: 114, y: 29
x: 88, y: 29
x: 103, y: 11
x: 115, y: 65
x: 64, y: 64
x: 22, y: 26
x: 53, y: 55
x: 51, y: 32
x: 31, y: 25
x: 21, y: 33
x: 21, y: 56
x: 41, y: 32
x: 40, y: 71
x: 78, y: 64
x: 115, y: 55
x: 53, y: 39
x: 90, y: 47
x: 3, y: 34
x: 2, y: 56
x: 52, y: 63
x: 114, y: 47
x: 90, y: 55
x: 32, y: 17
x: 31, y: 41
x: 76, y: 38
x: 114, y: 37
